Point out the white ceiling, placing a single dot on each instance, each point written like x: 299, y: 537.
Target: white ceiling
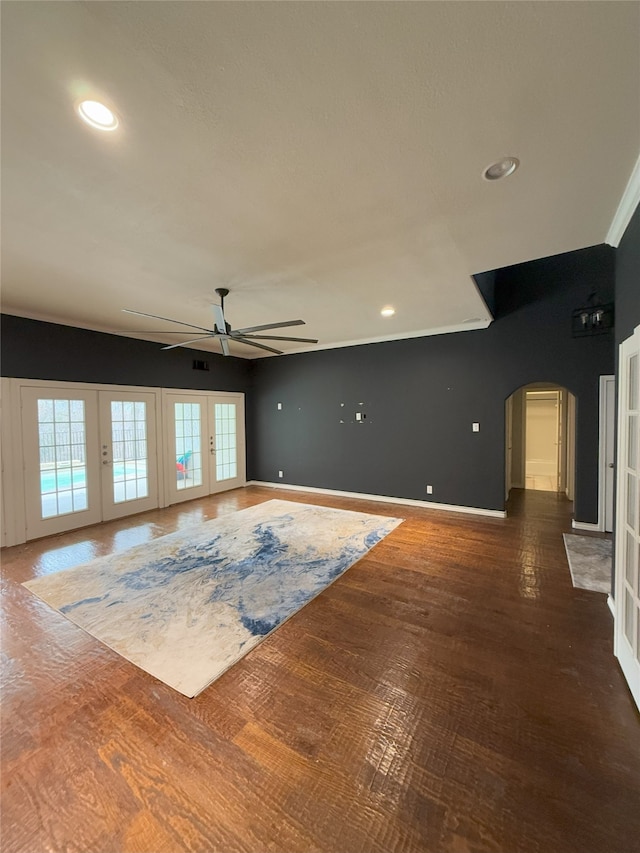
x: 321, y: 160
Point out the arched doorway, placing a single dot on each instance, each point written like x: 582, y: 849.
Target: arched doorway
x: 540, y: 427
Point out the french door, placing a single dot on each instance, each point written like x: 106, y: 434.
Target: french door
x: 89, y: 456
x: 128, y: 452
x: 627, y: 597
x: 76, y: 454
x: 204, y: 444
x: 61, y: 459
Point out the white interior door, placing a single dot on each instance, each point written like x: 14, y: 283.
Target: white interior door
x: 609, y: 451
x: 61, y: 461
x: 627, y: 598
x: 128, y: 452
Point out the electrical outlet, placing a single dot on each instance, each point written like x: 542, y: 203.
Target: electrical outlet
x: 475, y: 427
x: 429, y: 490
x: 280, y: 473
x: 279, y: 407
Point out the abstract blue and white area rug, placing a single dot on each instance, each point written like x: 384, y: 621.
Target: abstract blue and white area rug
x: 187, y: 606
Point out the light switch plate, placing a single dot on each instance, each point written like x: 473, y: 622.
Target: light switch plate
x: 476, y: 427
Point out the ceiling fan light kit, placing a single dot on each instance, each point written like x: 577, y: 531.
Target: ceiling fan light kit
x: 223, y: 331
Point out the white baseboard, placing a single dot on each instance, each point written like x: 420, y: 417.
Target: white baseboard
x: 612, y: 606
x: 585, y: 525
x: 472, y: 510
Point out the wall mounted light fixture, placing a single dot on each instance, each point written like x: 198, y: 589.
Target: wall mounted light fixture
x: 595, y: 318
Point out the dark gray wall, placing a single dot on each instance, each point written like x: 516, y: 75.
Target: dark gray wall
x: 422, y: 395
x: 486, y: 282
x: 628, y: 280
x: 34, y: 350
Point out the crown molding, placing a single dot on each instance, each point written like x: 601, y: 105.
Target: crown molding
x: 627, y: 207
x: 400, y: 336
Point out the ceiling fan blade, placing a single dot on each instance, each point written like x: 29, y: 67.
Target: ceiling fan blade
x: 224, y: 343
x: 193, y: 341
x: 218, y: 314
x: 269, y: 326
x: 168, y: 319
x: 250, y: 343
x: 278, y: 338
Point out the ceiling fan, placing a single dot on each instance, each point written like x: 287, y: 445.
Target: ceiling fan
x: 223, y: 331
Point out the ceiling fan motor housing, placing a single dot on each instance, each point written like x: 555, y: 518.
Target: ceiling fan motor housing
x: 222, y: 292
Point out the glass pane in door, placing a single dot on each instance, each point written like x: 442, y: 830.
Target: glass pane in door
x: 63, y: 453
x: 634, y: 383
x: 226, y: 459
x: 188, y: 420
x: 129, y: 448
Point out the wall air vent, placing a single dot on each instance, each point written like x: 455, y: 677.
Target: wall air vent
x: 200, y: 365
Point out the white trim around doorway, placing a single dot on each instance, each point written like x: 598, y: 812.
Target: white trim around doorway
x: 602, y: 449
x: 585, y: 525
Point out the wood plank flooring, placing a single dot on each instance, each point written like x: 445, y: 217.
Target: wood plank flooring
x: 451, y: 692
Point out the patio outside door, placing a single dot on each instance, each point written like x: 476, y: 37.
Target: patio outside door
x: 205, y: 444
x: 128, y: 452
x: 89, y: 456
x: 61, y: 460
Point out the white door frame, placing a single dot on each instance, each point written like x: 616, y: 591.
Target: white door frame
x: 602, y: 449
x: 571, y: 446
x: 629, y: 663
x: 509, y: 446
x: 561, y: 426
x: 12, y: 478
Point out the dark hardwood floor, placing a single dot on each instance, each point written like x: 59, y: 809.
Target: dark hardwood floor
x: 451, y: 692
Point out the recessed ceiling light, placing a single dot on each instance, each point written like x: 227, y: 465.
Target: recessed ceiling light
x: 388, y: 311
x: 501, y: 169
x: 97, y: 115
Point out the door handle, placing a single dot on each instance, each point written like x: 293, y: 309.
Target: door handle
x: 610, y: 464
